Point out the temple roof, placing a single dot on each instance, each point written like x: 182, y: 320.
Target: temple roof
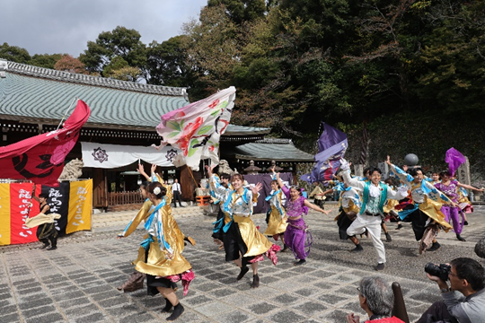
x: 280, y: 150
x: 36, y: 95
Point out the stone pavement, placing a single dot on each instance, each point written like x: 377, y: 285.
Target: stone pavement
x: 77, y: 282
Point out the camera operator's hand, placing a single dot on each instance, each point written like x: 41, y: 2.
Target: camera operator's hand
x: 441, y: 284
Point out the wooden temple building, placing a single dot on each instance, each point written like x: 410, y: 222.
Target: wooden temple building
x: 33, y: 100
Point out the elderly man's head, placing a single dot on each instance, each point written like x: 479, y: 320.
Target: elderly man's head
x: 376, y: 296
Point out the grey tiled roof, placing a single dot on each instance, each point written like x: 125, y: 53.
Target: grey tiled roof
x: 37, y: 98
x: 268, y: 150
x: 37, y: 95
x: 55, y: 75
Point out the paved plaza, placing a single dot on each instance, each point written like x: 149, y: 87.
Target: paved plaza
x: 77, y: 282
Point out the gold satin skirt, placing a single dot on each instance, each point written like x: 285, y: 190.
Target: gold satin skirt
x: 156, y: 263
x: 351, y: 208
x: 276, y: 223
x: 433, y: 210
x: 390, y: 206
x: 256, y: 242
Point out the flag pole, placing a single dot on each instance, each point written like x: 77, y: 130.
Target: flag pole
x: 64, y: 116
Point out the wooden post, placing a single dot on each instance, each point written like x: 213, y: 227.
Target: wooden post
x: 463, y: 176
x: 100, y: 191
x: 187, y: 183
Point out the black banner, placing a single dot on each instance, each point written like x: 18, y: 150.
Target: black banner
x: 58, y: 200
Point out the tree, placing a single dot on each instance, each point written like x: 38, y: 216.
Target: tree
x: 453, y: 56
x: 70, y: 64
x: 240, y: 11
x: 14, y: 53
x: 167, y: 63
x: 213, y: 48
x: 45, y: 60
x: 128, y: 73
x: 121, y: 42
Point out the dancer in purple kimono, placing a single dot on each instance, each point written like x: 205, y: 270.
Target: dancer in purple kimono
x: 297, y: 237
x: 450, y: 189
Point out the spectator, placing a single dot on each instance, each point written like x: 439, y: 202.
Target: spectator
x: 176, y: 190
x: 464, y: 300
x: 376, y: 299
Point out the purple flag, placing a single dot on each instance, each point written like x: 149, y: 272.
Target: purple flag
x: 454, y: 159
x: 331, y: 148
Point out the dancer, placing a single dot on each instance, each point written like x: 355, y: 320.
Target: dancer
x: 374, y: 197
x: 217, y: 232
x: 136, y: 279
x: 450, y: 189
x: 387, y: 207
x: 350, y: 203
x: 297, y: 237
x: 435, y: 178
x: 423, y: 207
x: 277, y: 215
x: 160, y: 255
x: 464, y: 204
x: 45, y: 223
x: 243, y: 243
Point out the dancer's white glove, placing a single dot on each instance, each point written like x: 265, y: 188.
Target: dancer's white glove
x: 344, y: 165
x: 402, y: 191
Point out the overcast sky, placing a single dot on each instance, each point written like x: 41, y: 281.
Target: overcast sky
x: 65, y: 26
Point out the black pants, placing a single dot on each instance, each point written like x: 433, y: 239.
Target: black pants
x: 343, y: 223
x: 437, y: 313
x: 219, y: 234
x: 47, y: 232
x: 234, y: 244
x: 418, y: 222
x: 176, y: 196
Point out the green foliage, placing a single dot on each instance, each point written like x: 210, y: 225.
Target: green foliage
x: 426, y: 134
x: 122, y: 43
x: 14, y: 53
x: 240, y: 11
x: 45, y: 60
x: 167, y: 63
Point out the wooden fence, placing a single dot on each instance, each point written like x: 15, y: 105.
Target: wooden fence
x: 127, y: 197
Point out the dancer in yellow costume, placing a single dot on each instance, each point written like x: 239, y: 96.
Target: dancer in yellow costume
x: 243, y: 243
x: 277, y: 217
x: 160, y: 257
x: 426, y: 203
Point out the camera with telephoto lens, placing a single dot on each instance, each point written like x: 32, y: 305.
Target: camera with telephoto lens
x: 442, y: 271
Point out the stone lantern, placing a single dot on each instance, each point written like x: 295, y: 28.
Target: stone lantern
x: 252, y: 170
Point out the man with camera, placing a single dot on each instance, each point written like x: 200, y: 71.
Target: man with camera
x: 464, y: 300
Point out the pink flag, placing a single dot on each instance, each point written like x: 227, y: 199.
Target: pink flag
x: 196, y: 128
x: 41, y: 158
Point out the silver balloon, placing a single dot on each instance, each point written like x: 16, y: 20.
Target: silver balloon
x: 411, y: 160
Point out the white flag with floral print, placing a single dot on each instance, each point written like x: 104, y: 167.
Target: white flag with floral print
x: 197, y: 128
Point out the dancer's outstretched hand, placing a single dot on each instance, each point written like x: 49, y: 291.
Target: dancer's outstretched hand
x: 154, y: 168
x: 208, y: 170
x: 344, y: 165
x: 256, y: 188
x: 140, y: 169
x: 388, y: 160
